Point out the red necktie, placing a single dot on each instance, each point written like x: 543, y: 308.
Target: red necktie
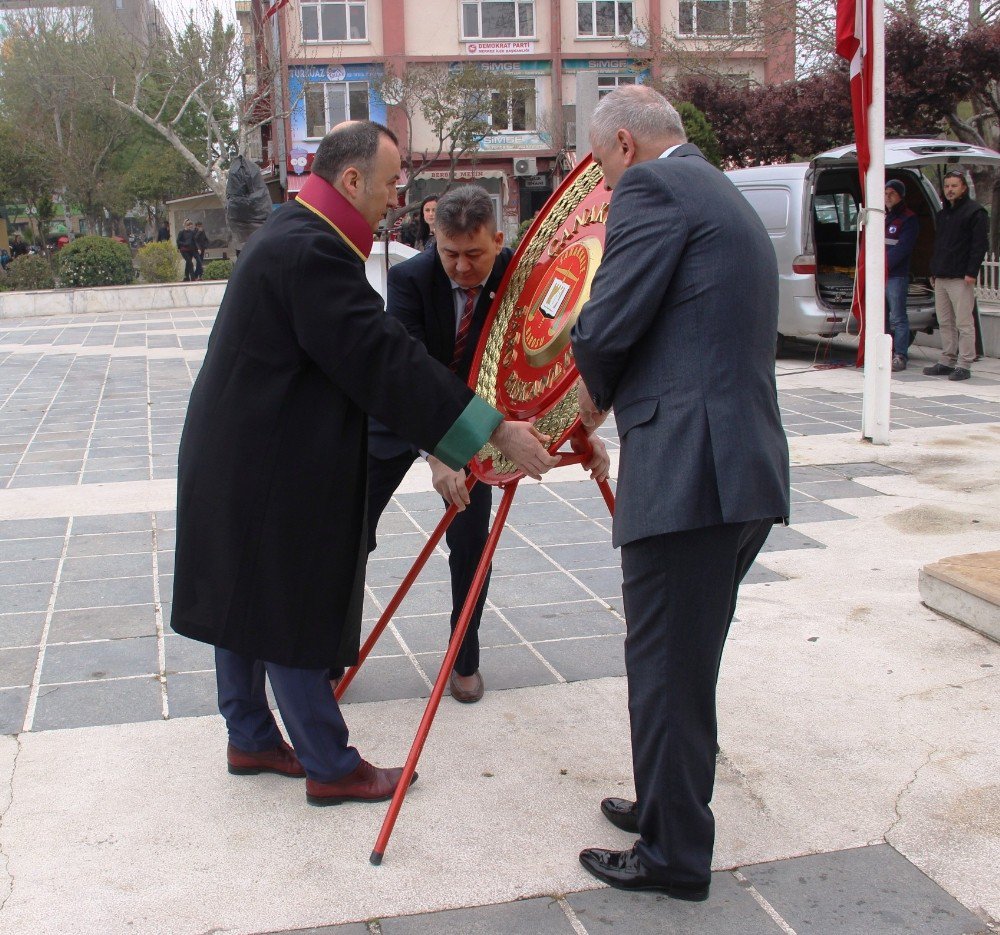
x: 462, y: 335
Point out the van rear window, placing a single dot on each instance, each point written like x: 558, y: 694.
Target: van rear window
x: 772, y: 205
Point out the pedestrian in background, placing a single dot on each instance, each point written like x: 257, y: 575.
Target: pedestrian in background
x: 901, y: 229
x: 163, y: 232
x: 201, y: 244
x: 961, y: 237
x: 188, y: 249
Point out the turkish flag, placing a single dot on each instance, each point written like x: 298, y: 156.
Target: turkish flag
x: 273, y: 8
x: 854, y: 32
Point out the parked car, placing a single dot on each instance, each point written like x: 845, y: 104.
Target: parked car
x: 811, y: 210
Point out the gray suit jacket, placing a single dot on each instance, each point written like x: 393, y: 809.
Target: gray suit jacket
x: 678, y: 337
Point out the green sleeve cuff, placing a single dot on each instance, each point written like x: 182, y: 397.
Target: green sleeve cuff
x: 468, y: 434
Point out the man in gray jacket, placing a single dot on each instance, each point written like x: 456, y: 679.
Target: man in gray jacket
x: 678, y: 338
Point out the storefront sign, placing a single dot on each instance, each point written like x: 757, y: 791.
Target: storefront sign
x: 517, y: 142
x: 500, y: 48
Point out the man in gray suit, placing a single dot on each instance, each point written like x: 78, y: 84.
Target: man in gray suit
x: 678, y: 338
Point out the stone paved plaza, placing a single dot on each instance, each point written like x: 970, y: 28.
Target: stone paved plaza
x: 91, y: 410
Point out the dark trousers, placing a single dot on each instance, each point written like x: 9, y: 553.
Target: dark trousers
x: 199, y: 265
x: 188, y: 267
x: 312, y: 717
x: 466, y: 538
x: 680, y: 595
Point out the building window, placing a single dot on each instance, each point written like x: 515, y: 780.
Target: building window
x: 604, y: 17
x: 607, y: 83
x: 334, y: 21
x: 498, y: 19
x: 713, y: 18
x: 333, y: 102
x: 515, y: 113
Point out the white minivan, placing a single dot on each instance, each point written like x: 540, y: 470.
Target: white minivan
x: 810, y: 210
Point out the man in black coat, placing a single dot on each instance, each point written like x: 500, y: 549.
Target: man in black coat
x: 961, y: 237
x: 442, y: 298
x: 271, y: 512
x: 678, y: 337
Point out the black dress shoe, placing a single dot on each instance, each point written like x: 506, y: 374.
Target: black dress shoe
x: 622, y: 814
x: 624, y: 871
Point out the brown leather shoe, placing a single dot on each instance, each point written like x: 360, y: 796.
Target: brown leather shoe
x: 468, y: 695
x: 280, y: 759
x: 367, y: 783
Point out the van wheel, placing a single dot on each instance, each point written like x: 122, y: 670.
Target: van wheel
x: 780, y: 346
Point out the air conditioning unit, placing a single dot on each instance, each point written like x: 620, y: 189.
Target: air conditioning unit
x: 527, y: 165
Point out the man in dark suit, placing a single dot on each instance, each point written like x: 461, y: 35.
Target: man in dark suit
x: 678, y: 337
x: 272, y: 468
x: 442, y: 298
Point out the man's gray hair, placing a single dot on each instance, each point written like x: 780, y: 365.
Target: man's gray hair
x: 354, y: 143
x: 464, y: 210
x: 645, y: 113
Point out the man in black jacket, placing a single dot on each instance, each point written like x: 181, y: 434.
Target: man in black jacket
x: 442, y: 298
x: 272, y: 468
x: 960, y: 241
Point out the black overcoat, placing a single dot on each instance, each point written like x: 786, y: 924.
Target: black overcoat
x: 271, y: 528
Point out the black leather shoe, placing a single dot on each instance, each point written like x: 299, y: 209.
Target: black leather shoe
x: 624, y: 871
x: 938, y: 370
x: 622, y: 814
x: 960, y: 373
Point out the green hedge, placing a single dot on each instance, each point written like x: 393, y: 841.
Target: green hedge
x: 95, y: 261
x: 218, y: 269
x: 31, y: 271
x: 159, y: 262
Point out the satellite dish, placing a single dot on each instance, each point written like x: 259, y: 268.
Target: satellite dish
x: 637, y: 37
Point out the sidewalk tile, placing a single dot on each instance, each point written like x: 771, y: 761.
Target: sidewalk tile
x: 729, y: 910
x: 102, y: 623
x: 13, y: 705
x: 542, y: 916
x: 593, y: 657
x: 565, y: 620
x: 120, y: 543
x: 105, y: 659
x: 814, y: 511
x: 98, y: 567
x: 17, y: 666
x: 16, y: 550
x: 25, y: 598
x: 192, y: 694
x: 386, y: 678
x: 124, y: 701
x: 185, y: 655
x: 524, y: 590
x: 21, y: 629
x: 784, y: 539
x: 104, y: 593
x: 864, y: 890
x: 36, y: 571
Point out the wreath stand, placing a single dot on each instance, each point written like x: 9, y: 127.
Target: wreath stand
x: 580, y: 454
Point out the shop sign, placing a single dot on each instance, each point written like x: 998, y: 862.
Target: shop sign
x: 500, y: 48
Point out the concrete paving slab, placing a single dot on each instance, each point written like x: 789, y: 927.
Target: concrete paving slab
x: 730, y: 908
x: 525, y: 917
x: 870, y: 889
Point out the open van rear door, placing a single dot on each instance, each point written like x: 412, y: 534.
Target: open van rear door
x: 916, y: 152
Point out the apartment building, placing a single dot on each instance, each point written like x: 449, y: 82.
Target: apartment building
x: 336, y: 50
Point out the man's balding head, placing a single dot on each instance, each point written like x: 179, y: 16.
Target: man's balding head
x: 633, y: 124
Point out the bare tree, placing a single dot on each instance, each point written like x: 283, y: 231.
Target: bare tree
x: 453, y: 106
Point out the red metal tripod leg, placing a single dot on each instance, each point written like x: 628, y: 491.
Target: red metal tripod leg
x: 401, y: 592
x: 446, y: 667
x: 609, y: 497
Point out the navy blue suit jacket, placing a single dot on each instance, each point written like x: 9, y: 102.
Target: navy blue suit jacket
x: 419, y: 295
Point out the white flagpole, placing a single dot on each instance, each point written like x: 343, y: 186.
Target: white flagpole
x: 878, y: 345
